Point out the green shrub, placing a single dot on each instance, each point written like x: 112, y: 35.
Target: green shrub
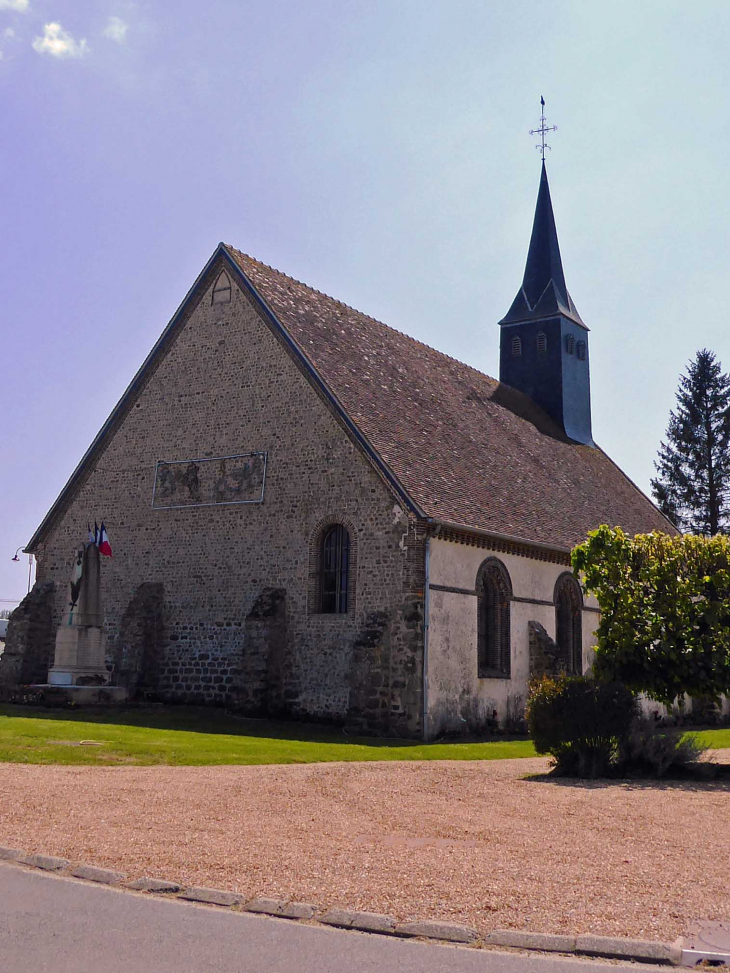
x: 664, y: 628
x: 581, y: 723
x: 651, y: 751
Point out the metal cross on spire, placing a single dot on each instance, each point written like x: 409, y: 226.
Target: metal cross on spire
x: 542, y: 130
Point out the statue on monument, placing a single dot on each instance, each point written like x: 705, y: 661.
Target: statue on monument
x: 80, y: 656
x: 85, y: 588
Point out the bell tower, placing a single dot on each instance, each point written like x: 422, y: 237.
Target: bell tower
x: 544, y: 342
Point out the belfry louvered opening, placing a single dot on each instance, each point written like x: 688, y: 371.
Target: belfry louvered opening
x: 494, y: 595
x: 542, y: 342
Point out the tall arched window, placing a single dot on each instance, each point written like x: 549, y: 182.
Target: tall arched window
x: 222, y: 289
x: 494, y: 594
x: 335, y: 562
x: 569, y: 623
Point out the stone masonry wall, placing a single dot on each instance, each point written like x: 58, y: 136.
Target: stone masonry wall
x: 226, y: 386
x: 30, y: 639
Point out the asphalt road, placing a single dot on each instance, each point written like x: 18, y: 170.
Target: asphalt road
x: 62, y: 925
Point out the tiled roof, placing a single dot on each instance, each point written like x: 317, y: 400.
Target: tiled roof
x: 466, y: 449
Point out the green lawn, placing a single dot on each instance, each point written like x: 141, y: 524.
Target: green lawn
x: 182, y: 735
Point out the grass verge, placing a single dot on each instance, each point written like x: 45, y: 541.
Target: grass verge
x: 196, y: 737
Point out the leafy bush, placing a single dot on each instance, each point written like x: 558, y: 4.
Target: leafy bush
x: 665, y: 611
x: 651, y: 751
x: 583, y: 724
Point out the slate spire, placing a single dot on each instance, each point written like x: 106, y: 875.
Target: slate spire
x: 543, y: 348
x: 543, y: 293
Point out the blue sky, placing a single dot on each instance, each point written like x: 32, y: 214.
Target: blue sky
x: 376, y: 150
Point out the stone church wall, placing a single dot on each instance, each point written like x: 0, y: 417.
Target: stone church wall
x: 196, y: 630
x: 458, y: 699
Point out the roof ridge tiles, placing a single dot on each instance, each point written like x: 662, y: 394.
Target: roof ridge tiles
x: 364, y: 314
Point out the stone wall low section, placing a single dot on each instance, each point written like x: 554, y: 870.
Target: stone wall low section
x: 29, y: 642
x: 142, y: 632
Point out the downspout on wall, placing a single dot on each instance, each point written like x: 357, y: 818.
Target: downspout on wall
x: 426, y: 608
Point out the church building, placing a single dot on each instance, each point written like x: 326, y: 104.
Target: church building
x: 314, y: 516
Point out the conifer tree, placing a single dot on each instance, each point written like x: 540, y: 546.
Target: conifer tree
x: 693, y: 483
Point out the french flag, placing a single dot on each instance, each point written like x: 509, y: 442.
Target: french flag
x: 105, y: 547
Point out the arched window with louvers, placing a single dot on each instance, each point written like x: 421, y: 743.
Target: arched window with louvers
x: 568, y: 600
x: 335, y: 570
x: 332, y: 585
x: 494, y: 596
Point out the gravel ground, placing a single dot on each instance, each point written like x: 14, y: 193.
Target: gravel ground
x: 473, y: 842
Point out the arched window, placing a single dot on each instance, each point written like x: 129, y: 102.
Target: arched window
x: 516, y: 346
x: 569, y: 623
x: 570, y: 344
x: 222, y: 289
x: 582, y: 350
x: 542, y: 342
x: 335, y: 570
x: 494, y: 594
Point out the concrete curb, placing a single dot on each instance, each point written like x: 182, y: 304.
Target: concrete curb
x: 154, y: 885
x: 92, y: 874
x: 514, y: 939
x: 47, y: 862
x: 211, y: 896
x: 449, y: 932
x: 11, y: 854
x: 364, y: 921
x: 639, y: 950
x: 282, y: 908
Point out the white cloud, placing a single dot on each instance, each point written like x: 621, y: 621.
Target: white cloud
x: 19, y: 5
x: 8, y: 32
x: 116, y: 29
x: 59, y: 43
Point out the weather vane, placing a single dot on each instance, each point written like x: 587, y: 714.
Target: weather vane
x: 542, y: 130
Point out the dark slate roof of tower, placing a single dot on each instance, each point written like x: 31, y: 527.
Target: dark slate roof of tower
x: 543, y: 293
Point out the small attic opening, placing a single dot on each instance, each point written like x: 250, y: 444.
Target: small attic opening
x: 222, y: 289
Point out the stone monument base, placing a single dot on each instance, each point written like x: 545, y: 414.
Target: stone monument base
x: 81, y: 695
x: 80, y: 657
x: 79, y: 676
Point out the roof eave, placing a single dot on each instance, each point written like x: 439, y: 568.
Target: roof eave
x: 498, y: 536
